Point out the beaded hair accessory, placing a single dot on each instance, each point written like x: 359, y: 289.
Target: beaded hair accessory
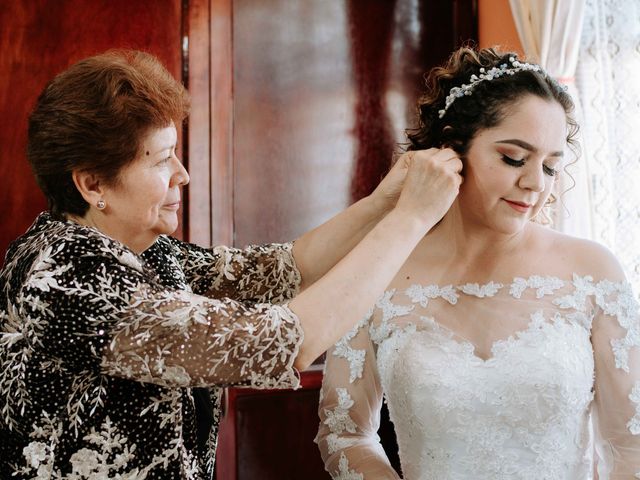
x: 495, y: 72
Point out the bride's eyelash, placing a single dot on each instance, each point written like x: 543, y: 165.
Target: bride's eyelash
x: 520, y: 163
x: 512, y: 161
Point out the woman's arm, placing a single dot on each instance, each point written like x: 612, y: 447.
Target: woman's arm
x: 318, y: 250
x: 349, y: 410
x: 103, y: 311
x: 616, y: 344
x: 258, y: 273
x: 331, y: 306
x: 269, y: 273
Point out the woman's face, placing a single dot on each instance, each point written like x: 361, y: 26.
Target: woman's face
x: 510, y: 169
x: 144, y: 203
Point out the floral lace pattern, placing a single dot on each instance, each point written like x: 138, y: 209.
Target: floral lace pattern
x: 517, y: 406
x: 344, y: 473
x: 100, y: 349
x: 481, y: 291
x: 354, y: 356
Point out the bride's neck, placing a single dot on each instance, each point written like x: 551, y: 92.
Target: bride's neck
x: 469, y: 240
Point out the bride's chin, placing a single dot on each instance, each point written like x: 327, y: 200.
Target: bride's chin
x: 511, y: 227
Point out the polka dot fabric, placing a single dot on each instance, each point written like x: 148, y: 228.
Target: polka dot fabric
x: 100, y: 349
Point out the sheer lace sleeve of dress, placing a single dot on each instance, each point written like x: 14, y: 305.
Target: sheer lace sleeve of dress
x: 349, y: 411
x: 616, y: 343
x: 259, y: 273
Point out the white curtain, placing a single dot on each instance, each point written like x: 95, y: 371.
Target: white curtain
x: 608, y: 81
x: 550, y: 33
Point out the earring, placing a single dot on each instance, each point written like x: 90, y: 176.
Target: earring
x: 101, y: 204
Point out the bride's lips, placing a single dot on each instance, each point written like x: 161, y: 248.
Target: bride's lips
x: 518, y: 206
x: 172, y: 206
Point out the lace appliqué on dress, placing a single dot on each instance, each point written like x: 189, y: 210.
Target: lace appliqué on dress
x: 625, y: 308
x: 481, y: 291
x: 344, y: 473
x: 543, y: 285
x: 354, y: 356
x: 339, y: 421
x: 634, y: 424
x: 422, y: 294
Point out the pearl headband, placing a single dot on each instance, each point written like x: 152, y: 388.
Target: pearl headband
x: 495, y: 72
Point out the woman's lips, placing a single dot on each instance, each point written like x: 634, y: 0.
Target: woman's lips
x: 518, y: 206
x: 172, y: 206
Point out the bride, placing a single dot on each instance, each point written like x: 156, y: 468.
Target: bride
x: 504, y: 349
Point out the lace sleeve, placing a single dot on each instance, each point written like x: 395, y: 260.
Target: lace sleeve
x: 175, y: 338
x: 616, y: 342
x: 110, y: 317
x: 258, y: 273
x: 349, y: 411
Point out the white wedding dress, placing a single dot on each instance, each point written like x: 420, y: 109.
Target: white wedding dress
x: 548, y: 389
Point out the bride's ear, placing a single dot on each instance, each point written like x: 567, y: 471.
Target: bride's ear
x: 455, y: 145
x: 446, y: 137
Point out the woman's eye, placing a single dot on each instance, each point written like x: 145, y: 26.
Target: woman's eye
x: 512, y: 161
x: 549, y: 171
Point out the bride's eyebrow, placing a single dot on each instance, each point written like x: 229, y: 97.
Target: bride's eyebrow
x: 527, y: 146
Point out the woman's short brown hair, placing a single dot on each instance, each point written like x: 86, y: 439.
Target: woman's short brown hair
x: 94, y: 116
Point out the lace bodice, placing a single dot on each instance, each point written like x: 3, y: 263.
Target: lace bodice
x: 537, y: 378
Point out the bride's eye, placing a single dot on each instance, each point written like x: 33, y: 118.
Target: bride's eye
x: 512, y: 161
x: 549, y: 171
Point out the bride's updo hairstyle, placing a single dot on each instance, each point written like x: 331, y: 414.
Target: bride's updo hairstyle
x: 454, y: 121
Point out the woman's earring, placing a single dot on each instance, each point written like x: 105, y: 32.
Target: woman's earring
x: 101, y: 204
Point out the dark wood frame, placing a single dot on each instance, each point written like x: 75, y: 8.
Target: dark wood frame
x: 210, y: 135
x: 227, y: 455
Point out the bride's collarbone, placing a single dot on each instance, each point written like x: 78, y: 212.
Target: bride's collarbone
x: 442, y: 269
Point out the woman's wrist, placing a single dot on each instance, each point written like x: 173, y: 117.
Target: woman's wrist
x: 378, y: 204
x: 410, y: 222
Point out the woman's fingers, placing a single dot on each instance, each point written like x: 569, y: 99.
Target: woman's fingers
x: 432, y: 183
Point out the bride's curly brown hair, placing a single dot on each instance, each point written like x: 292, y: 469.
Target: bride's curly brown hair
x: 489, y: 103
x: 485, y: 107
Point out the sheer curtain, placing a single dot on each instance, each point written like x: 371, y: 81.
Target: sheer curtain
x: 549, y: 31
x: 607, y: 81
x: 593, y: 46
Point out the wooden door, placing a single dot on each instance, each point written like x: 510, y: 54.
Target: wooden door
x: 40, y: 38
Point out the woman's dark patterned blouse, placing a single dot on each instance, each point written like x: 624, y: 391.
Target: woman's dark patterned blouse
x: 99, y: 349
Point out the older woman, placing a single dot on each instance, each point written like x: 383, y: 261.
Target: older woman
x: 106, y: 323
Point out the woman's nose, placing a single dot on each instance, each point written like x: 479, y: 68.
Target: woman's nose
x: 533, y: 179
x: 180, y: 176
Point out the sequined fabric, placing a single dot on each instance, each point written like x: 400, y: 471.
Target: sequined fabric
x: 100, y: 349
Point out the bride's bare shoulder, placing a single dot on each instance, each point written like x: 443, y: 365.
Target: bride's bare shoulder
x: 582, y: 256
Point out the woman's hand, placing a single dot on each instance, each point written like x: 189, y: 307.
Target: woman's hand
x: 431, y: 184
x: 386, y: 194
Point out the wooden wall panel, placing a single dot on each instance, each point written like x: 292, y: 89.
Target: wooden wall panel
x: 198, y: 144
x: 270, y: 430
x: 38, y: 39
x: 293, y: 115
x: 222, y: 133
x: 322, y: 94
